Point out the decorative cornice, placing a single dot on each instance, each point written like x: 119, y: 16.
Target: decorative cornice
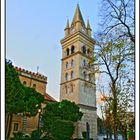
x: 71, y: 36
x: 87, y: 107
x: 78, y: 52
x: 77, y: 79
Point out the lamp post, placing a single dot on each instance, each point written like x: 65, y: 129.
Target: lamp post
x: 39, y: 121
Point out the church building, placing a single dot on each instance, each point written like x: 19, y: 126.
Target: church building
x: 77, y: 83
x: 21, y: 123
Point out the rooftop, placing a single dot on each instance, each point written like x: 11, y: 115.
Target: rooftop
x: 30, y: 74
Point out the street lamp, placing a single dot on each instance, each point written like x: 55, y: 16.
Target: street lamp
x: 39, y: 121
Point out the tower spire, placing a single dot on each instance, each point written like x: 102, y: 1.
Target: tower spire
x: 67, y: 25
x: 88, y: 28
x: 67, y: 28
x: 78, y: 16
x: 88, y: 25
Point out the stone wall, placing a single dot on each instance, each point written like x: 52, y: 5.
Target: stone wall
x: 89, y: 115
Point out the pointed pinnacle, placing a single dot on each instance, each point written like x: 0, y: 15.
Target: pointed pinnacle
x: 78, y: 16
x: 67, y: 25
x: 88, y: 25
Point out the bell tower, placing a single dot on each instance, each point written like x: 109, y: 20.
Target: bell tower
x: 77, y: 83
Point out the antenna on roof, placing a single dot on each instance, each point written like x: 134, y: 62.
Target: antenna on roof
x: 37, y: 69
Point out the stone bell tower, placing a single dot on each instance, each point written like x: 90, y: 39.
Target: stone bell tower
x: 77, y: 83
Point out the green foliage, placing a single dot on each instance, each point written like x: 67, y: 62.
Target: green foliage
x: 131, y: 134
x: 62, y: 130
x: 81, y: 139
x: 20, y: 136
x: 35, y: 135
x: 78, y: 139
x: 58, y: 119
x: 84, y: 134
x: 13, y: 91
x: 20, y: 99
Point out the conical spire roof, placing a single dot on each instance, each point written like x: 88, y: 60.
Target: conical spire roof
x: 78, y: 16
x: 67, y: 25
x: 88, y: 25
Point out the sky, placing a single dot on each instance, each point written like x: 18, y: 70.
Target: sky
x: 34, y: 29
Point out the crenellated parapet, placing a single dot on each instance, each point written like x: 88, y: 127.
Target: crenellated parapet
x: 32, y: 75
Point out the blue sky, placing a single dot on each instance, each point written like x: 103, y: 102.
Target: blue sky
x: 34, y: 29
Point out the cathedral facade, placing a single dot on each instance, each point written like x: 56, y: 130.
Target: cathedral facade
x: 77, y: 83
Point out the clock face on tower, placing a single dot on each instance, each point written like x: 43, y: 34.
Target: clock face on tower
x: 72, y: 30
x: 83, y: 29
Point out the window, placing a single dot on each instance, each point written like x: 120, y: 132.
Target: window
x: 72, y: 49
x: 66, y: 89
x: 66, y: 76
x: 71, y: 88
x: 85, y: 75
x: 24, y: 82
x: 67, y: 51
x: 84, y: 63
x: 88, y: 52
x: 84, y: 49
x: 72, y: 75
x: 15, y: 127
x: 67, y: 65
x: 34, y: 85
x: 89, y: 77
x: 72, y: 63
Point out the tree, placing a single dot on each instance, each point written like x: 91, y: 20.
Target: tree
x: 115, y: 55
x: 58, y: 119
x: 100, y: 126
x: 19, y: 99
x: 104, y: 105
x: 125, y: 111
x: 118, y: 14
x: 113, y: 62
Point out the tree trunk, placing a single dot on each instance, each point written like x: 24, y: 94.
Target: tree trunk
x: 114, y: 91
x: 115, y: 134
x: 110, y: 133
x: 124, y: 135
x: 107, y: 135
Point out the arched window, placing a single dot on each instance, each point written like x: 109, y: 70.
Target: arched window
x: 88, y: 52
x: 34, y: 85
x: 84, y: 49
x: 66, y: 89
x: 84, y: 62
x: 72, y: 49
x: 72, y: 74
x: 67, y: 65
x: 66, y: 76
x: 84, y: 75
x: 71, y: 88
x: 89, y: 77
x: 72, y: 63
x: 24, y: 82
x: 67, y: 51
